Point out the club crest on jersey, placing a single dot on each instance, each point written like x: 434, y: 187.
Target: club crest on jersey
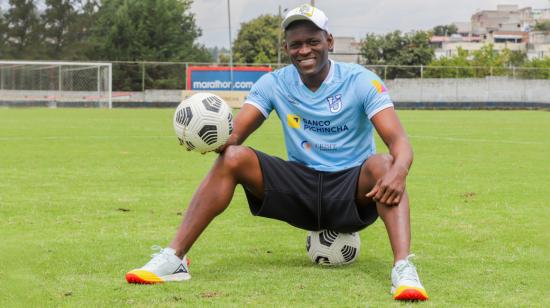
x: 335, y: 103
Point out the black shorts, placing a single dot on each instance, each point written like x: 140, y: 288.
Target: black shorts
x: 310, y: 199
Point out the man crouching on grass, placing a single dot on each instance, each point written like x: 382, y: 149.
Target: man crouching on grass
x: 336, y: 183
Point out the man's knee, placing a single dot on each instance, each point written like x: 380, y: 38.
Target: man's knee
x: 378, y: 165
x: 241, y: 164
x: 236, y: 157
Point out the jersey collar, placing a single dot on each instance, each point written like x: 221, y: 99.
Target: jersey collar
x: 328, y: 79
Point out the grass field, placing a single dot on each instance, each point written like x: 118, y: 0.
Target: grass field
x: 84, y: 193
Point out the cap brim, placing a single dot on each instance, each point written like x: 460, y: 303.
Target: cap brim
x: 294, y: 18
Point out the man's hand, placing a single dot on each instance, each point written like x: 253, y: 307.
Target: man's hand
x: 247, y: 120
x: 389, y: 188
x: 232, y: 140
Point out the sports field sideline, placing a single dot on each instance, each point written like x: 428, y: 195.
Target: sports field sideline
x: 85, y: 193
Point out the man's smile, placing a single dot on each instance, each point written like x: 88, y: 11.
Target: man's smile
x: 306, y: 62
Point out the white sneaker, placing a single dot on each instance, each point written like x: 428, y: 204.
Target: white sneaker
x: 164, y: 266
x: 405, y: 282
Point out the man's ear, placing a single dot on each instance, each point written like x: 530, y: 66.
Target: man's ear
x: 284, y: 45
x: 330, y: 41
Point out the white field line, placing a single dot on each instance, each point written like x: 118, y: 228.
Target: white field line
x: 16, y: 138
x: 476, y: 140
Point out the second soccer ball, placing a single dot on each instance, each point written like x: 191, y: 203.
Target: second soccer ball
x: 327, y: 247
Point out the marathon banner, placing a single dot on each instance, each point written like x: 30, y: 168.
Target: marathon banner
x: 218, y: 78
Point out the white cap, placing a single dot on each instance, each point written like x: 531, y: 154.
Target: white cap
x: 306, y: 12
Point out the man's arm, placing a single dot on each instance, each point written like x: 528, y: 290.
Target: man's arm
x: 246, y: 122
x: 389, y: 189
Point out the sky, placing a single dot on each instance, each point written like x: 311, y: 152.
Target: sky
x: 353, y: 18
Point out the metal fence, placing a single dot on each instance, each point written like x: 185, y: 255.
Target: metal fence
x: 141, y: 76
x: 56, y: 81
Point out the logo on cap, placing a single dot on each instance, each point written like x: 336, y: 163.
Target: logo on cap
x: 306, y: 10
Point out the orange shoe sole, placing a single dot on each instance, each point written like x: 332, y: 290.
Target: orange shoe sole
x: 142, y: 277
x: 410, y: 294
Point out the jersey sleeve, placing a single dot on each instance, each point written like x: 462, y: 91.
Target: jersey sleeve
x: 373, y: 93
x: 260, y: 95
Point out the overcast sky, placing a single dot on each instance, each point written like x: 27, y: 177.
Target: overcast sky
x: 346, y: 17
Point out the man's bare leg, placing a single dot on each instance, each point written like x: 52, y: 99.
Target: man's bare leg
x: 237, y: 165
x: 405, y: 282
x: 395, y: 217
x: 397, y: 222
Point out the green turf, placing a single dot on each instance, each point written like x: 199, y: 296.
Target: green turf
x: 84, y: 193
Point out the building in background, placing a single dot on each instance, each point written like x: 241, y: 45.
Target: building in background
x: 463, y: 28
x: 507, y: 18
x: 539, y: 44
x: 508, y: 27
x: 346, y: 49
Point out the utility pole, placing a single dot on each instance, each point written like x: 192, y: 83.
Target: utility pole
x: 230, y: 45
x: 312, y: 2
x: 279, y: 41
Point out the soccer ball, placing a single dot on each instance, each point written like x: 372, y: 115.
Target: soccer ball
x: 203, y: 122
x: 327, y: 247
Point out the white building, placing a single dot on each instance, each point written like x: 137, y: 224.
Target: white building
x: 504, y: 18
x: 539, y: 44
x: 346, y: 49
x: 507, y: 27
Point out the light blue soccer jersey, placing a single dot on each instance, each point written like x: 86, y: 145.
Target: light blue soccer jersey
x: 329, y: 129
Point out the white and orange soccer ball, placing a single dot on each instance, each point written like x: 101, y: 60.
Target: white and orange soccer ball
x: 203, y: 122
x: 327, y: 247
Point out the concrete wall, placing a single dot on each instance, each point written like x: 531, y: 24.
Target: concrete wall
x: 491, y: 89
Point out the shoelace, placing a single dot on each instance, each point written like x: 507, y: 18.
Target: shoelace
x: 158, y: 256
x: 407, y: 270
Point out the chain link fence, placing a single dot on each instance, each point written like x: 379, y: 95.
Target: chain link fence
x: 141, y: 76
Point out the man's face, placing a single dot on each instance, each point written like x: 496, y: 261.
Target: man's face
x: 308, y: 47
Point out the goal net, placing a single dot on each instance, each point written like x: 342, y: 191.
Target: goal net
x: 55, y: 84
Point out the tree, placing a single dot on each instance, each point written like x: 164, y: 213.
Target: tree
x: 397, y: 49
x: 445, y: 30
x: 58, y: 27
x: 154, y: 30
x: 219, y: 55
x: 22, y: 33
x: 494, y: 63
x: 86, y: 13
x: 542, y: 25
x: 514, y: 57
x: 3, y: 36
x: 480, y: 63
x: 536, y: 69
x: 457, y: 66
x: 258, y: 41
x: 214, y: 53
